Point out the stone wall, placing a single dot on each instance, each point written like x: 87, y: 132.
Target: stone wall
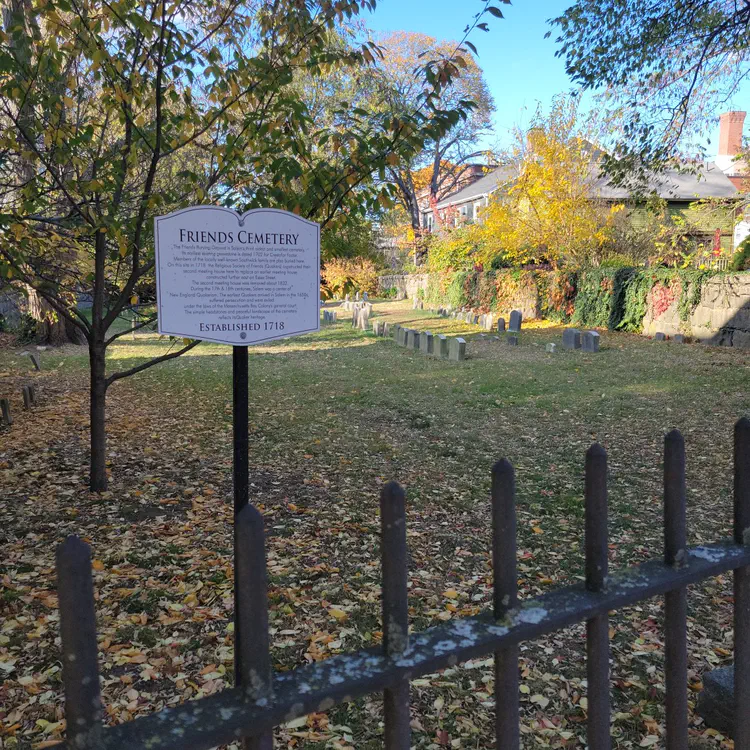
x: 722, y: 316
x: 407, y: 285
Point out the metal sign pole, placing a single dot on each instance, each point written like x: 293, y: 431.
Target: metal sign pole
x: 240, y: 468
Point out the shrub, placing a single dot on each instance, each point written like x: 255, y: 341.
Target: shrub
x: 741, y: 259
x: 343, y: 276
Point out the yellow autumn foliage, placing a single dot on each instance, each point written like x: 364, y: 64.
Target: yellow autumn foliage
x: 548, y: 213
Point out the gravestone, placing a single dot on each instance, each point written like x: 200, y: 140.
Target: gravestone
x: 376, y: 327
x: 395, y: 330
x: 488, y: 322
x: 364, y: 319
x: 483, y: 321
x: 6, y: 417
x: 36, y: 361
x: 511, y: 339
x: 365, y: 297
x: 440, y: 346
x: 659, y: 336
x: 475, y: 320
x: 716, y: 700
x: 590, y: 341
x: 515, y: 321
x: 457, y: 349
x: 501, y: 325
x: 386, y: 329
x: 550, y: 348
x: 571, y: 338
x: 356, y: 297
x: 27, y: 398
x: 426, y: 342
x: 679, y: 338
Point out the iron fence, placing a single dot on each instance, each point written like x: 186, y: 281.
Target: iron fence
x: 262, y: 700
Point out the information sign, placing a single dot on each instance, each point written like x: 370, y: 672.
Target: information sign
x: 237, y: 279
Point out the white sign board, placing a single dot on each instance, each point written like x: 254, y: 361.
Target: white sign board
x: 237, y: 279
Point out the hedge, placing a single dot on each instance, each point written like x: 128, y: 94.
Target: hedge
x: 614, y: 298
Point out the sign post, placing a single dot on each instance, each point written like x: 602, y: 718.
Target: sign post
x: 239, y: 280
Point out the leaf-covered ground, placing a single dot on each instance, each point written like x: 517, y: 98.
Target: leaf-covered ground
x: 333, y: 416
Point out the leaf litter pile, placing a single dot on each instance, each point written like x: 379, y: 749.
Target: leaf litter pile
x: 332, y: 417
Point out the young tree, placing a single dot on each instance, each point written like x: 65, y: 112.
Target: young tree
x: 399, y: 84
x: 113, y: 113
x: 548, y: 214
x: 665, y: 65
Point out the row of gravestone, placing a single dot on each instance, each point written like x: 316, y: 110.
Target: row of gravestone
x: 349, y: 303
x: 29, y: 401
x: 330, y: 316
x: 484, y: 320
x: 587, y: 341
x: 361, y: 312
x: 433, y: 345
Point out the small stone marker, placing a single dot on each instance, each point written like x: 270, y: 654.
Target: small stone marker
x: 550, y: 348
x: 365, y: 297
x: 37, y: 362
x: 426, y: 342
x: 659, y: 336
x: 440, y: 346
x: 678, y: 339
x: 501, y: 325
x: 571, y: 338
x: 457, y: 349
x: 386, y: 329
x: 28, y: 400
x: 512, y: 340
x: 515, y: 321
x: 356, y: 297
x: 590, y: 341
x: 716, y: 700
x: 6, y: 417
x: 483, y: 321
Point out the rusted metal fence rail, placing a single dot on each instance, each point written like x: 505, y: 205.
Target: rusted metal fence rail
x: 263, y: 700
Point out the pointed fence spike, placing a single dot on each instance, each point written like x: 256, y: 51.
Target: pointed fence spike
x: 75, y: 591
x: 742, y: 587
x: 254, y: 658
x: 395, y: 611
x: 505, y: 598
x: 675, y: 602
x: 597, y: 628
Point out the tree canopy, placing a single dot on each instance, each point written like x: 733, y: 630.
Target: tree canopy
x: 114, y: 113
x: 665, y: 66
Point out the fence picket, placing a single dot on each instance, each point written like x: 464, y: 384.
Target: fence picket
x: 75, y: 591
x: 252, y: 617
x: 597, y: 628
x: 675, y: 609
x: 505, y: 581
x: 395, y: 611
x: 262, y: 700
x: 742, y: 587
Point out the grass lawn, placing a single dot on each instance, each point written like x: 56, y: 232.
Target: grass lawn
x: 332, y: 417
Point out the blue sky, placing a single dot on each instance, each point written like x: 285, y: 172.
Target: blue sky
x: 519, y: 63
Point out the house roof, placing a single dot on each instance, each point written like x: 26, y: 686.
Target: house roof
x: 706, y: 181
x: 481, y: 187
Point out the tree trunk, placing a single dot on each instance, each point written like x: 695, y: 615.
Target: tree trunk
x: 51, y: 328
x: 98, y: 393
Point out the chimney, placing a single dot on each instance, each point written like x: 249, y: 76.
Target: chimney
x: 730, y: 133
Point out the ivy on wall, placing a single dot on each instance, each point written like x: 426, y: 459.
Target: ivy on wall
x: 614, y: 298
